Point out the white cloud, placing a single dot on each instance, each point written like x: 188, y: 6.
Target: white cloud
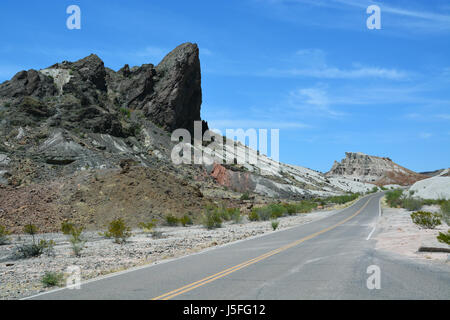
x: 205, y: 51
x: 152, y: 53
x: 337, y: 73
x: 418, y: 19
x: 312, y: 101
x: 312, y: 62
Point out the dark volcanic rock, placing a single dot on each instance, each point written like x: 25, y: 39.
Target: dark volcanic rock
x: 79, y: 115
x: 170, y: 94
x: 28, y: 83
x: 179, y: 95
x: 86, y: 95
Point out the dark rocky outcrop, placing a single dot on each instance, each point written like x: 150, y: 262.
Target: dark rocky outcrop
x: 84, y: 94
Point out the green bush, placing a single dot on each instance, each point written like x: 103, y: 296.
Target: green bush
x: 411, y: 204
x: 236, y: 215
x: 374, y: 190
x: 172, y: 221
x: 74, y: 233
x: 3, y: 235
x: 31, y: 229
x: 290, y: 208
x: 277, y: 210
x: 342, y: 199
x: 394, y: 198
x: 305, y: 206
x: 52, y: 279
x: 212, y: 218
x: 425, y: 219
x: 253, y: 216
x: 264, y: 213
x: 34, y: 249
x: 186, y: 221
x: 445, y: 211
x: 275, y: 224
x: 118, y: 230
x: 125, y: 112
x: 245, y: 196
x: 147, y: 227
x: 444, y: 237
x: 31, y: 250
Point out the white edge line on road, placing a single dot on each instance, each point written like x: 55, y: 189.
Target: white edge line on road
x: 119, y: 273
x: 379, y: 215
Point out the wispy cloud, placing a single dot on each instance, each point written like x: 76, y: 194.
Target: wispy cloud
x: 338, y: 73
x: 150, y: 52
x: 313, y: 63
x: 414, y: 17
x: 312, y: 101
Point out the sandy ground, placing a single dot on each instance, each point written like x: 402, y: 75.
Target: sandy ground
x: 20, y: 278
x: 396, y: 233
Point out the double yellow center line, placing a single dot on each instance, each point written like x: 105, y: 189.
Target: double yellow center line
x: 211, y: 278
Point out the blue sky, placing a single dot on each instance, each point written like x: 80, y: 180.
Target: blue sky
x: 308, y: 67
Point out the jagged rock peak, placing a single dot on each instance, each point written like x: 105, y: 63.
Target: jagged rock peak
x: 86, y: 94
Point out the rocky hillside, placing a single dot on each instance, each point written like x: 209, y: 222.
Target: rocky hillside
x: 83, y: 142
x: 437, y: 173
x: 377, y: 170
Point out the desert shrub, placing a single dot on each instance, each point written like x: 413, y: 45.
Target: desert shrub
x: 290, y: 208
x: 429, y: 202
x: 425, y: 219
x: 394, y: 198
x: 236, y: 215
x: 125, y: 112
x: 264, y: 213
x: 305, y: 206
x: 445, y: 211
x: 147, y: 227
x: 3, y: 235
x: 342, y: 199
x: 245, y: 196
x: 212, y: 218
x: 31, y: 229
x: 172, y: 220
x: 411, y: 204
x: 52, y: 279
x: 374, y: 190
x: 383, y: 188
x: 118, y: 230
x: 253, y: 216
x: 224, y: 213
x: 275, y: 224
x: 35, y: 249
x: 186, y: 221
x: 74, y: 233
x: 277, y: 210
x: 444, y: 237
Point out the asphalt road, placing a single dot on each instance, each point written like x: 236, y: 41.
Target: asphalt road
x: 325, y: 259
